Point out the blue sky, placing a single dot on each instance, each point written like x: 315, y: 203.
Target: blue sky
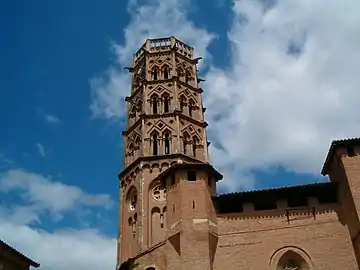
x: 281, y: 83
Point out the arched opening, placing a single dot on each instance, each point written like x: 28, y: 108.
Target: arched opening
x: 180, y: 72
x: 155, y: 144
x: 166, y: 73
x: 187, y: 76
x: 139, y: 106
x: 182, y: 102
x: 155, y: 74
x: 185, y: 142
x: 150, y: 268
x: 166, y: 100
x: 191, y: 107
x: 167, y: 143
x: 154, y: 104
x: 194, y: 145
x: 291, y: 260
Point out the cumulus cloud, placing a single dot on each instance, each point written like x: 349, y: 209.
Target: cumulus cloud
x: 69, y: 249
x: 290, y: 88
x: 42, y: 192
x: 29, y: 198
x: 155, y: 19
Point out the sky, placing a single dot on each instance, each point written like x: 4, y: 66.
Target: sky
x: 281, y: 83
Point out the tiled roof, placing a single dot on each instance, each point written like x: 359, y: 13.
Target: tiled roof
x: 29, y: 261
x: 278, y: 189
x: 334, y: 145
x: 191, y: 166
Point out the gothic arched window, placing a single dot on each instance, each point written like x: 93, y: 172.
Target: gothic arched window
x: 155, y: 144
x: 155, y: 74
x: 195, y: 143
x: 154, y: 104
x: 167, y: 144
x: 185, y: 142
x: 187, y: 76
x: 291, y: 260
x: 191, y: 107
x: 166, y: 73
x: 166, y: 100
x: 182, y: 102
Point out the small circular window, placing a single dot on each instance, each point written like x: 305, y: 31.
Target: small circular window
x: 132, y: 199
x: 159, y: 192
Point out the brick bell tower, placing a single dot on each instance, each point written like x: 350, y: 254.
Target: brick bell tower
x: 165, y: 127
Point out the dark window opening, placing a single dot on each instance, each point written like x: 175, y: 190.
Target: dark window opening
x: 155, y: 74
x: 261, y: 206
x: 182, y: 104
x: 167, y: 144
x: 166, y: 73
x: 190, y: 110
x: 350, y: 151
x: 191, y: 175
x: 193, y: 204
x: 297, y: 201
x: 186, y: 77
x: 229, y: 205
x: 154, y: 104
x: 155, y: 145
x: 166, y: 104
x: 327, y: 197
x: 173, y: 208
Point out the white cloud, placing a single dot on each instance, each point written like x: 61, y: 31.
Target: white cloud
x: 156, y: 19
x: 51, y: 118
x: 41, y: 149
x: 291, y: 87
x: 72, y: 249
x: 20, y: 222
x: 286, y: 108
x: 43, y: 193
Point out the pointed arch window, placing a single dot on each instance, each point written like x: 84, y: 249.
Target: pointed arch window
x: 167, y: 143
x: 155, y: 74
x: 166, y: 73
x: 166, y: 100
x: 191, y: 107
x: 185, y: 142
x: 154, y: 104
x: 291, y: 260
x: 194, y: 146
x: 182, y: 102
x: 155, y: 144
x: 187, y: 76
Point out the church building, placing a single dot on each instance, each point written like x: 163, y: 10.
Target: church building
x: 170, y: 216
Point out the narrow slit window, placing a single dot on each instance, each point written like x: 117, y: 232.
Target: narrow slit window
x: 155, y: 145
x: 166, y: 104
x: 167, y: 144
x: 166, y: 73
x: 154, y: 104
x: 155, y: 74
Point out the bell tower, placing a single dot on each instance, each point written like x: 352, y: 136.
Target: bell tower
x: 165, y: 126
